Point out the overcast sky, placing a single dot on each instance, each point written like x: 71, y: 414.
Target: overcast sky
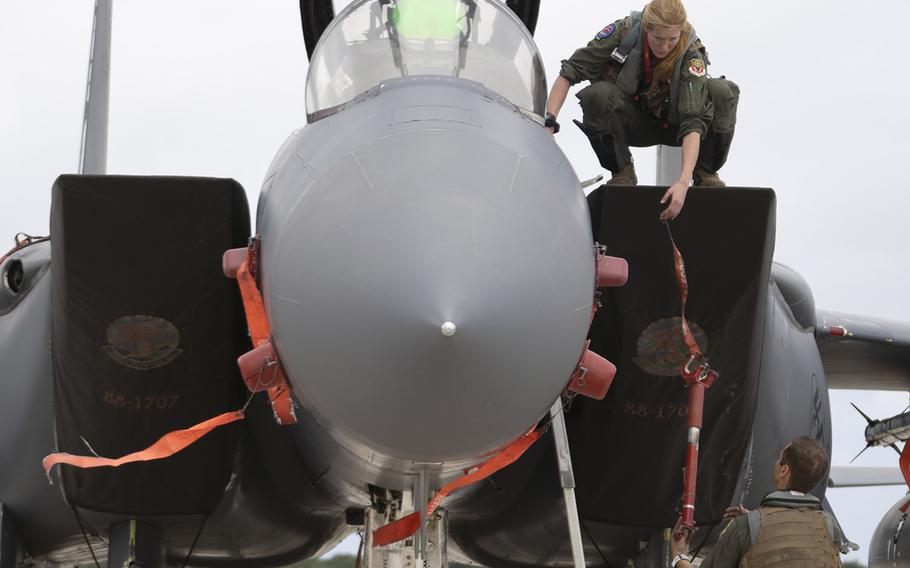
x: 213, y: 87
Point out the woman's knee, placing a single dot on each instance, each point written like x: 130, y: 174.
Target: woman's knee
x: 600, y: 102
x: 725, y: 96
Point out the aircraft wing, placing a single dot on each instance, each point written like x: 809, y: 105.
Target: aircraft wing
x: 860, y: 476
x: 861, y: 352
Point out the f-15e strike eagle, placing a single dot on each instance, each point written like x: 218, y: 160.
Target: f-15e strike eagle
x: 428, y: 274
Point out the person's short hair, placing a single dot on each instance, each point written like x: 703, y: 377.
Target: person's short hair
x: 808, y: 462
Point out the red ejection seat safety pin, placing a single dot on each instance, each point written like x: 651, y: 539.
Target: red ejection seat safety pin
x: 698, y: 376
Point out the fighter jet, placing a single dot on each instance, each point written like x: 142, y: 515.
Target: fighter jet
x: 428, y: 272
x: 401, y: 302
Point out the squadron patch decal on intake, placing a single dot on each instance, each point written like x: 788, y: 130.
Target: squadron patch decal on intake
x: 142, y: 342
x: 697, y: 67
x: 661, y: 349
x: 606, y: 32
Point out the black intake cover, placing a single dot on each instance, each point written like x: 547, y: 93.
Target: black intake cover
x: 628, y: 449
x: 146, y: 332
x: 727, y: 240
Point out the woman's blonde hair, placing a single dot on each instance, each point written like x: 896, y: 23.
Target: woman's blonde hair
x: 665, y: 13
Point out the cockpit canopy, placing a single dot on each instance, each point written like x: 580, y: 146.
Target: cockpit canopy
x: 376, y: 40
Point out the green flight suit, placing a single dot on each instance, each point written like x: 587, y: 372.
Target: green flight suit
x: 621, y: 110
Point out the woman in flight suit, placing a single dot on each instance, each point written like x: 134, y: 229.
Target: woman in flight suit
x: 649, y: 86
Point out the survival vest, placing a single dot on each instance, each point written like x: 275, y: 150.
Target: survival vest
x: 630, y: 56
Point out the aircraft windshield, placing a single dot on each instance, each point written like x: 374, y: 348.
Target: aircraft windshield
x: 375, y: 40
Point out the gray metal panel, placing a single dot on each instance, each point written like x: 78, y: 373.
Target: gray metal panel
x: 859, y: 476
x: 797, y: 294
x: 890, y: 544
x: 414, y: 207
x: 793, y: 398
x: 874, y: 353
x: 27, y: 435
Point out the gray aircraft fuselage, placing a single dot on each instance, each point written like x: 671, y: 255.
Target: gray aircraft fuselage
x: 430, y: 201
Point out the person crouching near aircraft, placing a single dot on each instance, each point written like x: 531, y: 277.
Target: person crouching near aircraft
x: 650, y: 86
x: 788, y: 529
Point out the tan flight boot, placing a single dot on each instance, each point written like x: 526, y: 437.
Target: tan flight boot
x: 704, y: 178
x: 625, y: 176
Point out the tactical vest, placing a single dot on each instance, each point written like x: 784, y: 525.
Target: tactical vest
x: 791, y: 537
x: 630, y: 55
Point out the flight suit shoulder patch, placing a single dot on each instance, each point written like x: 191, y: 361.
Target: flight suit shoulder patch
x: 606, y: 32
x: 697, y: 67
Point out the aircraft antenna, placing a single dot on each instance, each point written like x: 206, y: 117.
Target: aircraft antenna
x: 869, y: 420
x: 93, y: 148
x: 861, y: 453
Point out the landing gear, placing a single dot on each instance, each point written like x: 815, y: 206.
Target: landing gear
x: 567, y: 480
x: 425, y: 549
x: 135, y: 544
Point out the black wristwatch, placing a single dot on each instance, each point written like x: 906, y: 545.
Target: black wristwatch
x: 550, y: 122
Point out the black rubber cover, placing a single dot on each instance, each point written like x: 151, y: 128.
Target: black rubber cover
x: 146, y: 331
x: 726, y: 238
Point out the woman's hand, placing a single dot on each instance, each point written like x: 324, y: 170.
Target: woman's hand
x: 675, y: 197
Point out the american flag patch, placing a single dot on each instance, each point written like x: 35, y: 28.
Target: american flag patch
x: 606, y: 32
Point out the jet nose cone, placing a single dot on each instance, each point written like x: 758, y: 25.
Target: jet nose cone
x: 431, y: 308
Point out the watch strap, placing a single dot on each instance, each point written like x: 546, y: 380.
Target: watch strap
x: 679, y: 557
x: 550, y: 122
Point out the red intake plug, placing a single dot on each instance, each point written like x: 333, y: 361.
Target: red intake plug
x: 261, y: 369
x: 593, y: 375
x: 232, y: 259
x: 611, y: 271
